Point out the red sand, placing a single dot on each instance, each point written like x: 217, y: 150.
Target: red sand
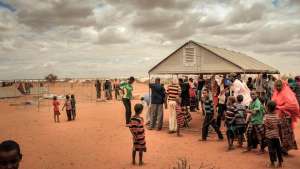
x: 98, y: 138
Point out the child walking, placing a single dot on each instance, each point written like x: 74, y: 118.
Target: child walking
x: 73, y: 105
x: 240, y: 119
x: 136, y: 127
x: 209, y: 117
x: 179, y: 116
x: 272, y: 127
x: 230, y: 121
x: 56, y: 109
x: 68, y: 107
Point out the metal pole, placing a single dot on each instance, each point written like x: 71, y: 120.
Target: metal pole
x: 39, y: 96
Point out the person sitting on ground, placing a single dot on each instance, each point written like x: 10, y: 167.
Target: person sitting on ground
x: 73, y: 104
x: 240, y: 119
x: 56, y: 109
x: 209, y: 117
x: 10, y: 155
x: 272, y: 126
x: 229, y: 121
x: 137, y: 130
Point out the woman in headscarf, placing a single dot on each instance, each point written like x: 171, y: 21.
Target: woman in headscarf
x: 297, y: 91
x: 292, y: 84
x: 192, y: 93
x: 240, y: 88
x: 288, y: 111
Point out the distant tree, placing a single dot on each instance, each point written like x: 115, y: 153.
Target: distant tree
x: 51, y: 78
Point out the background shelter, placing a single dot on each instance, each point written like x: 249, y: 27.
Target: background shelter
x: 197, y: 58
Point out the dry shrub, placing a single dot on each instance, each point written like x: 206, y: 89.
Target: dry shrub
x: 184, y: 164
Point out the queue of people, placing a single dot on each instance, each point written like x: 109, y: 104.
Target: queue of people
x: 108, y: 87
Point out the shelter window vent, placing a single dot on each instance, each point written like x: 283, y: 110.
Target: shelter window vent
x: 189, y: 58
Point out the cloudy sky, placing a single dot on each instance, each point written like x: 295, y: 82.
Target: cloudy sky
x: 92, y: 38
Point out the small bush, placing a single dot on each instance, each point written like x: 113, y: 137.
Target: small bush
x: 51, y: 78
x: 184, y: 164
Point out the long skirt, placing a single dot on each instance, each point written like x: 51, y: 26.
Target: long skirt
x: 287, y: 135
x: 193, y: 104
x: 187, y: 118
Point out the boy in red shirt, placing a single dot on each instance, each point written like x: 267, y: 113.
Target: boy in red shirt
x: 56, y: 109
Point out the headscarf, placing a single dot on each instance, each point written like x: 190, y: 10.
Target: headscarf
x: 297, y: 79
x: 286, y: 102
x: 240, y: 88
x: 292, y: 84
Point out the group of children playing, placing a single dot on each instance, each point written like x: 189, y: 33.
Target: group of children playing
x: 69, y: 105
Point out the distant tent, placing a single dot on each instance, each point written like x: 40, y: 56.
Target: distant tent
x: 38, y: 90
x: 9, y: 92
x: 197, y: 58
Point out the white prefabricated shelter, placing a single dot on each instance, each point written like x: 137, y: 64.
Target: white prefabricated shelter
x: 9, y: 92
x: 197, y: 58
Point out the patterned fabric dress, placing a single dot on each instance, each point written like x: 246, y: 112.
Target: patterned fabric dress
x: 287, y: 134
x: 179, y: 116
x: 137, y: 129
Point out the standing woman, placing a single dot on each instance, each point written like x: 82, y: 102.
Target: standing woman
x: 98, y: 89
x: 288, y: 112
x: 192, y: 94
x: 127, y: 89
x: 297, y: 91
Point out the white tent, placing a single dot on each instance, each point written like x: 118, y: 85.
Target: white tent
x: 9, y: 92
x: 197, y: 58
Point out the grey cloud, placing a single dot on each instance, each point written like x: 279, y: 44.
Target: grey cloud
x: 276, y: 34
x: 112, y: 35
x: 152, y: 4
x: 242, y: 14
x: 157, y: 20
x: 170, y: 24
x: 45, y: 14
x: 289, y: 48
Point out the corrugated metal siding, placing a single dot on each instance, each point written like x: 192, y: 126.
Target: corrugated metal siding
x: 247, y: 63
x: 210, y: 60
x: 206, y: 62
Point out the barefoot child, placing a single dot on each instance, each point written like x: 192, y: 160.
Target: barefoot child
x: 56, y: 109
x: 179, y: 116
x: 136, y: 127
x: 229, y: 121
x: 240, y: 119
x: 68, y: 107
x: 209, y: 117
x: 272, y: 126
x: 73, y: 105
x: 255, y: 129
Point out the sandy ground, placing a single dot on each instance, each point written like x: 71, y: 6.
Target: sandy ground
x: 98, y: 138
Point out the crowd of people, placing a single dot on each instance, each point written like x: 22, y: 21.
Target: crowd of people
x: 261, y: 112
